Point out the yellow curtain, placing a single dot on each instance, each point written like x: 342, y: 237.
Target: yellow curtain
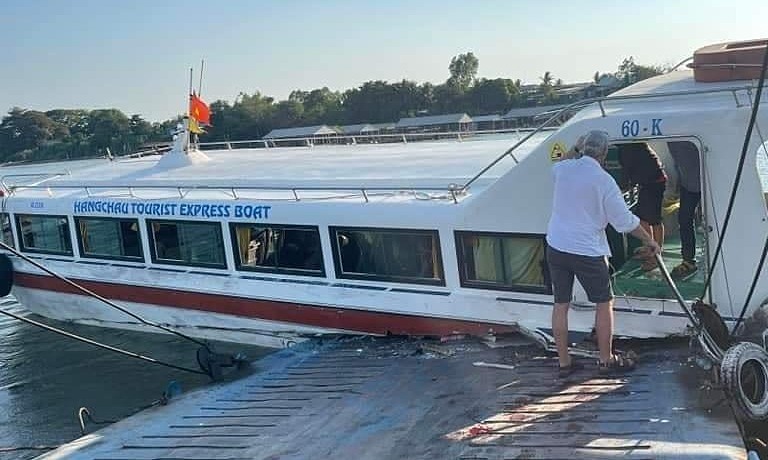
x: 84, y: 236
x: 243, y: 239
x: 435, y: 258
x: 523, y: 257
x: 488, y: 264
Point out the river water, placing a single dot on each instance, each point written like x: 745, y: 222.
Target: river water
x: 45, y: 378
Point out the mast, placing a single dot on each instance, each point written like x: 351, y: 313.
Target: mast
x: 200, y: 86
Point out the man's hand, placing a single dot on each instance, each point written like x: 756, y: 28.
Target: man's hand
x: 653, y: 247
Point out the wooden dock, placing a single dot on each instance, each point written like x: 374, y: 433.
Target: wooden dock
x: 396, y: 399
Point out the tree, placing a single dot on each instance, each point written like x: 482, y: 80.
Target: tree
x: 23, y: 129
x: 108, y: 128
x: 547, y: 88
x: 493, y: 96
x: 629, y: 72
x: 463, y: 70
x: 546, y: 79
x: 321, y: 106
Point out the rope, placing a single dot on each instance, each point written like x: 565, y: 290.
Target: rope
x: 100, y: 345
x: 102, y: 299
x: 739, y: 170
x: 84, y: 414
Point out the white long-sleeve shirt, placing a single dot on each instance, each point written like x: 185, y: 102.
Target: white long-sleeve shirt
x: 586, y: 200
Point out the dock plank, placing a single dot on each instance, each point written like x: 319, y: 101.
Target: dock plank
x: 408, y: 405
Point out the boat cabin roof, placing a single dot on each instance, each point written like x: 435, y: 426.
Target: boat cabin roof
x: 423, y: 165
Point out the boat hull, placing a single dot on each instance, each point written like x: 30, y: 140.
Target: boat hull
x: 277, y: 312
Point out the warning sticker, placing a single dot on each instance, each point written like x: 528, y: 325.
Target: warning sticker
x: 557, y: 151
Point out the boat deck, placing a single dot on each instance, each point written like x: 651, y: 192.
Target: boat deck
x: 632, y: 280
x: 394, y: 399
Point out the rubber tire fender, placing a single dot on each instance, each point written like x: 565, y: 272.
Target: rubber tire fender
x: 6, y: 275
x: 753, y: 406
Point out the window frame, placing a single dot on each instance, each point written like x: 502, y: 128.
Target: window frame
x: 239, y: 266
x: 11, y: 218
x: 23, y: 248
x: 83, y: 254
x: 389, y: 279
x: 153, y: 250
x: 489, y: 285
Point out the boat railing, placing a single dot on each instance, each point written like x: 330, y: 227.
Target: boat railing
x: 601, y: 102
x: 354, y: 139
x: 44, y: 177
x: 451, y: 192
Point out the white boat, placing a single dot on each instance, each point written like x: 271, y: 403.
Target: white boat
x: 271, y: 245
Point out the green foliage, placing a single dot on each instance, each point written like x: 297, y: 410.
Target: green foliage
x: 463, y: 69
x: 630, y: 73
x: 61, y: 133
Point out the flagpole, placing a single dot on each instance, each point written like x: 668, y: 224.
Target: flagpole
x: 189, y: 115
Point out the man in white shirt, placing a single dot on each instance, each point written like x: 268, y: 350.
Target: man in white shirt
x: 586, y: 200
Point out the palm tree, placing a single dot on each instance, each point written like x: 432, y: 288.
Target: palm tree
x: 547, y: 79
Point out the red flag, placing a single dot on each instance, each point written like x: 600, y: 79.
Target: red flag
x: 199, y: 110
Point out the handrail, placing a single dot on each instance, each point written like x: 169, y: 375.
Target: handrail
x: 183, y: 191
x: 353, y: 137
x: 600, y: 100
x: 45, y: 177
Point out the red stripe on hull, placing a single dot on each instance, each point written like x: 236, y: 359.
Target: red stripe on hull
x: 287, y: 312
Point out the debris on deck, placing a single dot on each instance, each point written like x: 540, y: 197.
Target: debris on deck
x: 368, y: 398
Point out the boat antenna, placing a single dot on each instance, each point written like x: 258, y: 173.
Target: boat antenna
x: 200, y: 86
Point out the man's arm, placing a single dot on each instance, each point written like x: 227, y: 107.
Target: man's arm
x: 576, y: 151
x: 647, y: 240
x: 620, y: 217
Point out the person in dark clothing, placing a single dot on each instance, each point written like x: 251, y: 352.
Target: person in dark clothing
x: 686, y: 157
x: 642, y: 167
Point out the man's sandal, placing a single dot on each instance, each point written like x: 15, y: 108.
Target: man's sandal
x: 684, y: 269
x: 616, y: 365
x: 649, y: 265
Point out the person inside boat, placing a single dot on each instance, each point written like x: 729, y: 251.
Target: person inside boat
x: 350, y: 252
x: 641, y: 167
x: 686, y: 157
x: 587, y: 199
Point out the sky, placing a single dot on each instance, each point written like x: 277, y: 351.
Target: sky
x: 135, y: 55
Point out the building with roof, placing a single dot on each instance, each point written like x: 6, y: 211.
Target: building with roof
x: 385, y: 128
x: 524, y: 116
x: 488, y: 122
x: 302, y: 135
x: 360, y: 129
x: 301, y: 132
x: 435, y: 123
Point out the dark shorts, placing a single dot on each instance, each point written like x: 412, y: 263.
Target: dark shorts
x: 592, y: 273
x: 649, y: 200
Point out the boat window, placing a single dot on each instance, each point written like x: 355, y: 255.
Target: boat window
x: 109, y: 238
x: 278, y: 248
x: 5, y: 221
x: 408, y: 256
x: 514, y: 262
x: 44, y: 234
x: 187, y: 243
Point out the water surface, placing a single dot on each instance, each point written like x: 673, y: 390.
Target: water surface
x: 45, y: 378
